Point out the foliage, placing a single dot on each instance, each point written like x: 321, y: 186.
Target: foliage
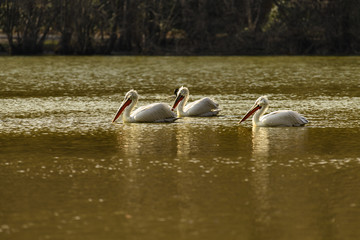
x: 182, y: 26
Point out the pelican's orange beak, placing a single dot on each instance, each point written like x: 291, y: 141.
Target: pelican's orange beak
x: 122, y: 108
x: 250, y: 112
x: 177, y: 101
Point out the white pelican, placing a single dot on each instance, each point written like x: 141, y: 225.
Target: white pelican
x: 204, y: 107
x: 156, y: 112
x: 281, y: 118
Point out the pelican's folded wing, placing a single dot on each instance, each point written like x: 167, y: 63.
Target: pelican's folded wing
x: 156, y: 112
x: 204, y: 106
x: 285, y: 118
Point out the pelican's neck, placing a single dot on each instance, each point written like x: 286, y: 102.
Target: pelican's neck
x: 256, y: 118
x: 180, y: 108
x: 126, y: 115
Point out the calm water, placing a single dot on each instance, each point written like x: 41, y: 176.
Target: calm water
x: 66, y: 172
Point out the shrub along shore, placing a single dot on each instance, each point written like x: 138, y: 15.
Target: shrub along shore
x: 180, y: 27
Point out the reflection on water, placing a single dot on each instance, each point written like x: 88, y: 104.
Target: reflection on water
x: 268, y: 145
x: 309, y: 197
x: 261, y: 144
x: 287, y: 141
x: 68, y: 173
x: 184, y: 141
x: 145, y: 139
x: 260, y: 176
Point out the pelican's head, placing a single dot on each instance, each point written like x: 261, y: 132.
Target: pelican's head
x: 180, y: 93
x: 130, y: 96
x: 261, y: 102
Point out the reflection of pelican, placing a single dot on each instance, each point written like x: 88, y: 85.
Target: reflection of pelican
x: 204, y: 107
x: 156, y: 112
x: 261, y: 175
x: 185, y: 139
x: 279, y: 142
x: 261, y: 143
x: 282, y: 118
x: 147, y: 141
x: 272, y: 148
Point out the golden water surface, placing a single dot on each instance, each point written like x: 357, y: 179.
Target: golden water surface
x: 67, y: 172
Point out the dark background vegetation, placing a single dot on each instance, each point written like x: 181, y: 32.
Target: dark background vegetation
x: 180, y: 27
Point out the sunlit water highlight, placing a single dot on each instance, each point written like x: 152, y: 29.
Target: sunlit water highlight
x: 68, y: 173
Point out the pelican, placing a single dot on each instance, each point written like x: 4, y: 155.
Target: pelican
x: 204, y: 107
x: 156, y: 112
x: 281, y: 118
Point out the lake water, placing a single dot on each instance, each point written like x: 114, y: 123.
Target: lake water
x: 67, y: 172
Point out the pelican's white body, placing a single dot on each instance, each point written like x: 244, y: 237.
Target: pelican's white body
x: 204, y: 107
x: 281, y: 118
x: 156, y: 112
